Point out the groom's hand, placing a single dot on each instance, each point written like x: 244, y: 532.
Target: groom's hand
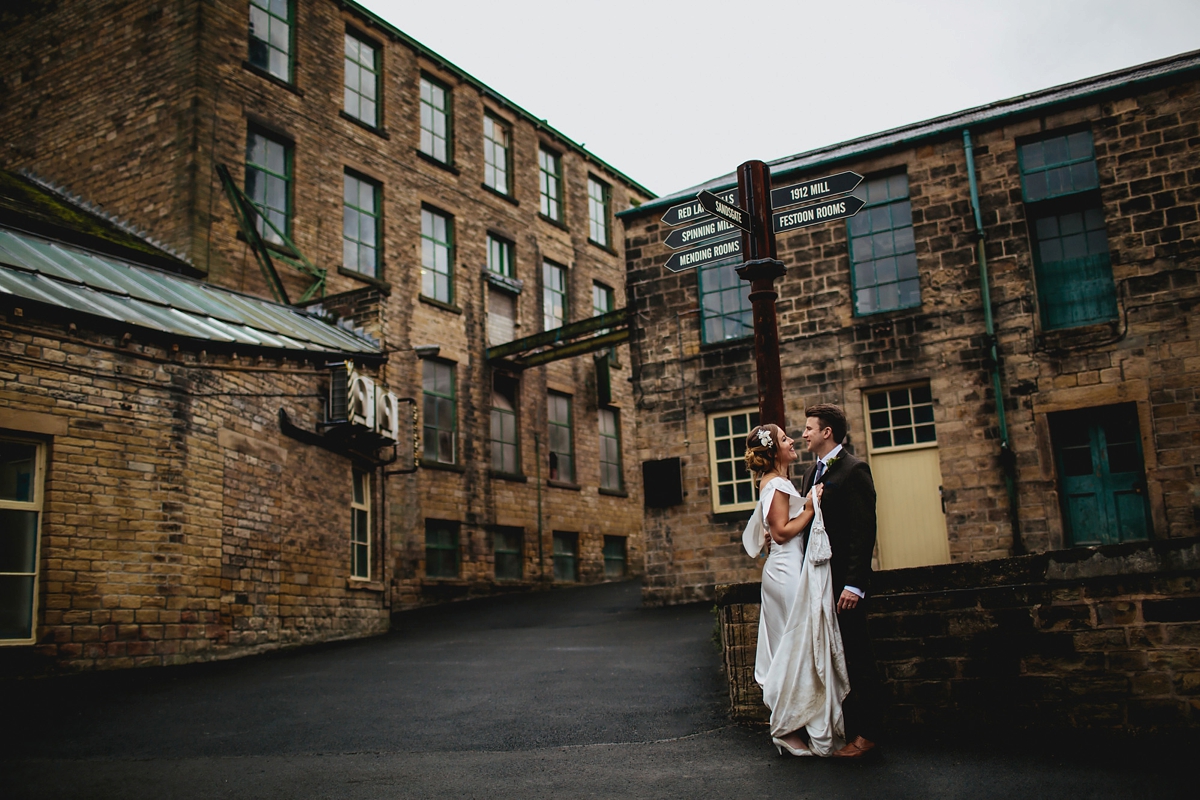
x: 847, y: 601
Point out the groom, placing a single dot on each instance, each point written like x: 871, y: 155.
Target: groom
x: 848, y: 505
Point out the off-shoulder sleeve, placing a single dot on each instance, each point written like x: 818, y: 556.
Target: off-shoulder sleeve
x: 754, y: 537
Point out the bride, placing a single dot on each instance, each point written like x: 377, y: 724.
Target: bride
x: 799, y: 663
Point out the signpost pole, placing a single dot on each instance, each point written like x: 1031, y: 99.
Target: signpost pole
x: 761, y: 268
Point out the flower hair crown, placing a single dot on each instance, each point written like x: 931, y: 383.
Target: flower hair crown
x: 764, y: 436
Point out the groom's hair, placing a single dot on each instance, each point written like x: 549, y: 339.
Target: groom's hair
x: 831, y: 416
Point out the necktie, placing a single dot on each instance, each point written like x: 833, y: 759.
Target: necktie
x: 819, y: 472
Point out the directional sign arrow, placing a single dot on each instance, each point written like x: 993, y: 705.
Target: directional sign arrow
x: 784, y: 221
x: 692, y: 211
x: 708, y: 254
x: 729, y: 212
x: 819, y: 189
x: 703, y: 231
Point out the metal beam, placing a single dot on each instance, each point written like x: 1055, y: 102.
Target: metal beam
x: 613, y: 319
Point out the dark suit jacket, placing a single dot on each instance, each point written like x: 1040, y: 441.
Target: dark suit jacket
x: 848, y: 505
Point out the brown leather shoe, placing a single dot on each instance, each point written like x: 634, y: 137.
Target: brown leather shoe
x: 856, y: 749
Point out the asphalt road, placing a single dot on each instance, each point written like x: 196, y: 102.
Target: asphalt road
x: 577, y: 692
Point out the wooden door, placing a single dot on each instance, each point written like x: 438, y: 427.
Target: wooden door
x: 908, y: 478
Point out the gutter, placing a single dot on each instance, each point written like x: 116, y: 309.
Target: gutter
x: 1008, y: 459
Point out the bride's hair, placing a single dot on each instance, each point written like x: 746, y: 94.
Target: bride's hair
x: 759, y: 457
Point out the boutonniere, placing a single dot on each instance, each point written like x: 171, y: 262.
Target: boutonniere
x: 832, y: 461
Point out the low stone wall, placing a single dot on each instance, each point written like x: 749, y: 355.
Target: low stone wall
x: 1105, y: 637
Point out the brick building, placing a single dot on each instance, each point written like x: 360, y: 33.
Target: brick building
x: 1079, y: 428
x: 311, y: 153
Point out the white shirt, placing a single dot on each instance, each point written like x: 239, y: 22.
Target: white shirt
x: 830, y: 456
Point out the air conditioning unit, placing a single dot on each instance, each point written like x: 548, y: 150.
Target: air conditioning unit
x: 360, y: 400
x: 387, y: 415
x: 335, y: 411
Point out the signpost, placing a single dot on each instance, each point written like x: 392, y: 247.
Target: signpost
x: 714, y: 217
x: 793, y: 219
x: 819, y: 189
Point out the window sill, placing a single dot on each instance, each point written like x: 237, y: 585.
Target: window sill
x: 497, y: 193
x: 272, y: 246
x: 728, y: 344
x: 443, y: 466
x: 380, y: 132
x: 603, y: 247
x: 726, y: 517
x: 439, y: 304
x: 358, y: 585
x: 382, y: 286
x: 515, y: 477
x: 552, y: 221
x: 262, y: 73
x: 613, y: 492
x: 1094, y: 335
x: 503, y: 282
x: 421, y: 154
x: 574, y: 487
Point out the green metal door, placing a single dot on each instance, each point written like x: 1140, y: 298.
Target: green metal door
x: 1099, y: 455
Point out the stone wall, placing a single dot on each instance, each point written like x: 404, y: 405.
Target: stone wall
x: 1104, y: 638
x: 179, y: 524
x: 1146, y: 146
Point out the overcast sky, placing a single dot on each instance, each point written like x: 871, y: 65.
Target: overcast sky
x: 676, y: 93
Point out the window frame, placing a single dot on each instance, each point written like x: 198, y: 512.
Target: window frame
x: 868, y: 394
x: 600, y: 289
x: 264, y: 169
x: 548, y: 268
x: 497, y: 532
x: 447, y: 245
x: 490, y: 146
x: 447, y: 114
x: 557, y: 558
x: 452, y: 398
x: 604, y: 202
x: 569, y: 427
x: 375, y: 69
x: 515, y: 444
x: 544, y: 177
x: 498, y: 244
x: 264, y: 6
x: 743, y: 315
x: 360, y: 536
x: 864, y: 214
x: 377, y: 216
x: 616, y: 438
x: 737, y: 448
x: 455, y: 530
x: 37, y: 505
x: 623, y: 559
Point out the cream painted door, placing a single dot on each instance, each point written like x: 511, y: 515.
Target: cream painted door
x: 908, y: 478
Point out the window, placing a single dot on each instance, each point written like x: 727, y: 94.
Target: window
x: 505, y: 445
x: 360, y: 225
x: 1060, y: 186
x: 614, y: 557
x: 437, y: 265
x: 724, y: 304
x: 562, y: 463
x: 610, y: 450
x: 500, y: 256
x: 732, y: 484
x: 360, y: 525
x: 495, y: 154
x: 22, y: 471
x: 565, y: 556
x: 440, y: 412
x: 436, y: 138
x: 898, y: 418
x: 554, y: 296
x: 602, y: 303
x: 441, y: 549
x: 506, y: 544
x: 269, y: 184
x: 598, y: 211
x: 883, y: 258
x: 550, y: 184
x: 361, y: 81
x: 271, y: 37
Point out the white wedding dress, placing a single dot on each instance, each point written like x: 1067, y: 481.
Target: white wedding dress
x: 800, y: 662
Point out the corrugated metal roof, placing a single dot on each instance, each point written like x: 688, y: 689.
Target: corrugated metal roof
x: 1024, y: 104
x: 103, y: 286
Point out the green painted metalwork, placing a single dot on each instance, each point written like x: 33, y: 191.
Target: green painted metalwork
x: 564, y: 342
x: 883, y: 258
x: 286, y: 251
x: 725, y: 311
x: 1057, y: 166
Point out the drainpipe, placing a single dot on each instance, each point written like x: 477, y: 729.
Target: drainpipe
x: 537, y: 460
x: 1008, y: 459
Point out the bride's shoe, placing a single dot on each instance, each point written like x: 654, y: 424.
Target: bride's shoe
x: 781, y: 745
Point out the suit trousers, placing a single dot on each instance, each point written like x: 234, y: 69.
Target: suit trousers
x: 863, y: 707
